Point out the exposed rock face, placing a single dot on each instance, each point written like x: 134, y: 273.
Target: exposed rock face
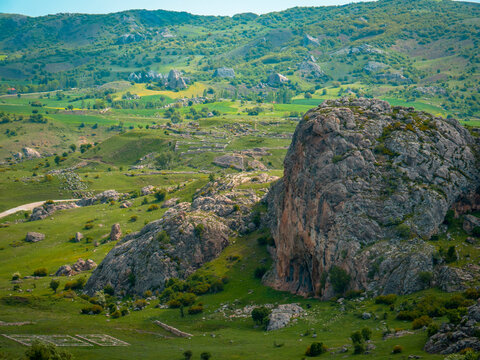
x: 48, y: 209
x: 310, y: 40
x: 147, y: 190
x: 27, y: 154
x: 130, y: 38
x: 311, y: 69
x: 34, y: 237
x: 116, y: 232
x: 277, y: 79
x: 102, y: 198
x: 281, y: 316
x: 79, y: 266
x: 374, y: 66
x: 187, y: 236
x: 455, y: 338
x: 239, y: 162
x: 363, y: 184
x: 224, y: 72
x: 470, y: 222
x: 175, y: 80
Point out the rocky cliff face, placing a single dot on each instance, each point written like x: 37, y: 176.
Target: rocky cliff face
x: 364, y: 186
x: 187, y: 236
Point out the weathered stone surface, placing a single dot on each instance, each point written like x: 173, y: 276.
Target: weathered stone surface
x: 234, y: 161
x: 170, y: 202
x: 116, y: 232
x: 27, y: 154
x: 103, y: 198
x: 276, y: 79
x: 147, y: 190
x: 48, y: 209
x: 363, y: 184
x: 34, y: 237
x: 311, y: 69
x: 470, y: 222
x: 224, y: 72
x: 175, y: 80
x: 187, y: 236
x: 125, y: 205
x: 455, y: 338
x: 78, y: 236
x: 79, y: 266
x: 281, y: 316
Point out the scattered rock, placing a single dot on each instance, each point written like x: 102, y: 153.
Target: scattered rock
x: 147, y: 190
x: 104, y: 197
x: 470, y: 222
x: 366, y: 316
x: 455, y: 338
x: 224, y: 72
x: 311, y: 69
x: 126, y: 205
x: 79, y: 266
x: 374, y: 66
x: 281, y: 316
x: 48, y: 209
x: 116, y: 232
x: 78, y: 236
x: 34, y: 237
x: 170, y: 203
x: 277, y: 79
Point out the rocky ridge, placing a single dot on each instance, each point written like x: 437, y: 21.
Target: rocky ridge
x: 187, y: 236
x: 364, y: 185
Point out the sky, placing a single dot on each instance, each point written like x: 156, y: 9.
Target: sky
x: 205, y: 7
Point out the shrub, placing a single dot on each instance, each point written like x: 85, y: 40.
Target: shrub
x: 432, y: 329
x: 153, y: 207
x: 451, y: 255
x: 139, y: 304
x: 162, y: 237
x: 260, y: 315
x: 422, y: 321
x: 340, y: 279
x: 160, y: 195
x: 403, y: 230
x: 425, y: 277
x: 316, y: 349
x: 366, y: 333
x: 109, y: 290
x: 205, y: 355
x: 40, y: 272
x: 356, y: 337
x: 476, y: 231
x: 16, y: 276
x: 454, y: 316
x: 358, y: 348
x: 199, y: 229
x: 457, y: 301
x: 236, y: 207
x: 54, y: 284
x: 397, y: 349
x: 386, y: 299
x: 92, y: 309
x: 133, y: 218
x: 41, y: 351
x: 77, y: 284
x: 471, y: 293
x: 408, y: 315
x: 188, y: 354
x: 259, y: 272
x: 195, y: 309
x: 88, y: 226
x: 116, y: 314
x: 449, y: 217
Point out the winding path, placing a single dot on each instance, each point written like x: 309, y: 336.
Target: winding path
x: 28, y: 207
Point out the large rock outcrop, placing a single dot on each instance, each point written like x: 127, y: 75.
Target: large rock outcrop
x: 364, y: 185
x: 187, y: 236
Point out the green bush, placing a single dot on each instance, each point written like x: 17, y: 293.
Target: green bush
x: 316, y: 349
x: 356, y: 337
x: 88, y: 226
x: 153, y: 207
x: 160, y: 195
x: 366, y: 333
x: 339, y: 279
x: 116, y: 314
x: 358, y: 348
x: 260, y: 315
x: 476, y: 231
x: 40, y: 272
x: 188, y: 354
x: 109, y: 290
x: 205, y: 355
x: 77, y: 284
x: 54, y: 284
x: 386, y: 299
x: 139, y: 304
x: 432, y: 329
x: 195, y: 309
x: 472, y: 294
x: 162, y: 237
x: 397, y: 349
x: 260, y: 271
x: 199, y: 229
x: 421, y: 321
x: 16, y: 276
x: 41, y: 351
x: 133, y: 218
x: 92, y: 309
x: 425, y: 277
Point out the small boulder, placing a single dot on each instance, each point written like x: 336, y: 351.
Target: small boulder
x: 116, y: 232
x: 470, y: 222
x: 65, y: 270
x: 82, y: 265
x: 366, y: 316
x: 78, y: 236
x: 147, y: 190
x: 125, y: 205
x: 34, y: 237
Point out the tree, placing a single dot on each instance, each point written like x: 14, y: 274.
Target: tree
x: 160, y: 195
x: 205, y: 355
x: 184, y: 300
x: 73, y: 147
x: 54, y: 284
x: 41, y: 351
x: 57, y: 159
x: 339, y: 279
